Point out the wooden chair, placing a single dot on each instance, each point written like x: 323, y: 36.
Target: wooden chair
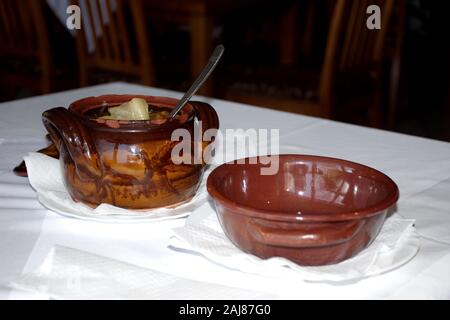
x: 395, y: 56
x: 122, y: 48
x: 25, y: 56
x: 351, y: 66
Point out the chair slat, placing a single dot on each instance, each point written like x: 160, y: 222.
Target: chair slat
x: 104, y: 37
x: 125, y: 42
x: 98, y: 47
x: 113, y: 32
x: 113, y: 50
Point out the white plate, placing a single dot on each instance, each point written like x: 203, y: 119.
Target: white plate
x: 62, y: 203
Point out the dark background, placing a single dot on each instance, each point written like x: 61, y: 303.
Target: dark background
x: 252, y: 39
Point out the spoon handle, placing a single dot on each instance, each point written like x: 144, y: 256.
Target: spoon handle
x: 212, y: 62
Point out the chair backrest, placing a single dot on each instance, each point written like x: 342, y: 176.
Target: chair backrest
x: 24, y: 35
x: 22, y: 27
x: 108, y: 26
x: 351, y: 46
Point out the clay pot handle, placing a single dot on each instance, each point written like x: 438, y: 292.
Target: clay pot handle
x: 320, y: 236
x: 207, y: 115
x: 64, y: 127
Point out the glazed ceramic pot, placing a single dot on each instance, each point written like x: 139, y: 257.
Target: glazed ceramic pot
x: 314, y: 211
x: 126, y: 163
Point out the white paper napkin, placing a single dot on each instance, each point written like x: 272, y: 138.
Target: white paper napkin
x: 44, y: 174
x: 72, y: 274
x: 396, y: 244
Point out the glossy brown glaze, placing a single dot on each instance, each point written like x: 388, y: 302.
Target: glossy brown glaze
x: 125, y: 163
x: 314, y: 211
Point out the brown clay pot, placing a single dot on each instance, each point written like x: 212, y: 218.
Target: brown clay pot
x: 125, y: 163
x: 314, y: 211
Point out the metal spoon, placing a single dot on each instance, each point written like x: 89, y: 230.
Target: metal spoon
x: 207, y: 70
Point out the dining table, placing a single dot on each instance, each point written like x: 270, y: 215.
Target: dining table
x: 419, y: 166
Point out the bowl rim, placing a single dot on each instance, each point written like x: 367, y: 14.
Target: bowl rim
x: 293, y: 216
x: 81, y: 106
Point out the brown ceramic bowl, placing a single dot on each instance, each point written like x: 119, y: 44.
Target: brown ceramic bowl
x: 314, y: 211
x: 126, y: 163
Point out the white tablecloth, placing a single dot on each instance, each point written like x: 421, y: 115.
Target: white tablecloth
x: 421, y: 168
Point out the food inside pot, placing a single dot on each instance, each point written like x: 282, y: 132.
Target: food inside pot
x: 135, y: 109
